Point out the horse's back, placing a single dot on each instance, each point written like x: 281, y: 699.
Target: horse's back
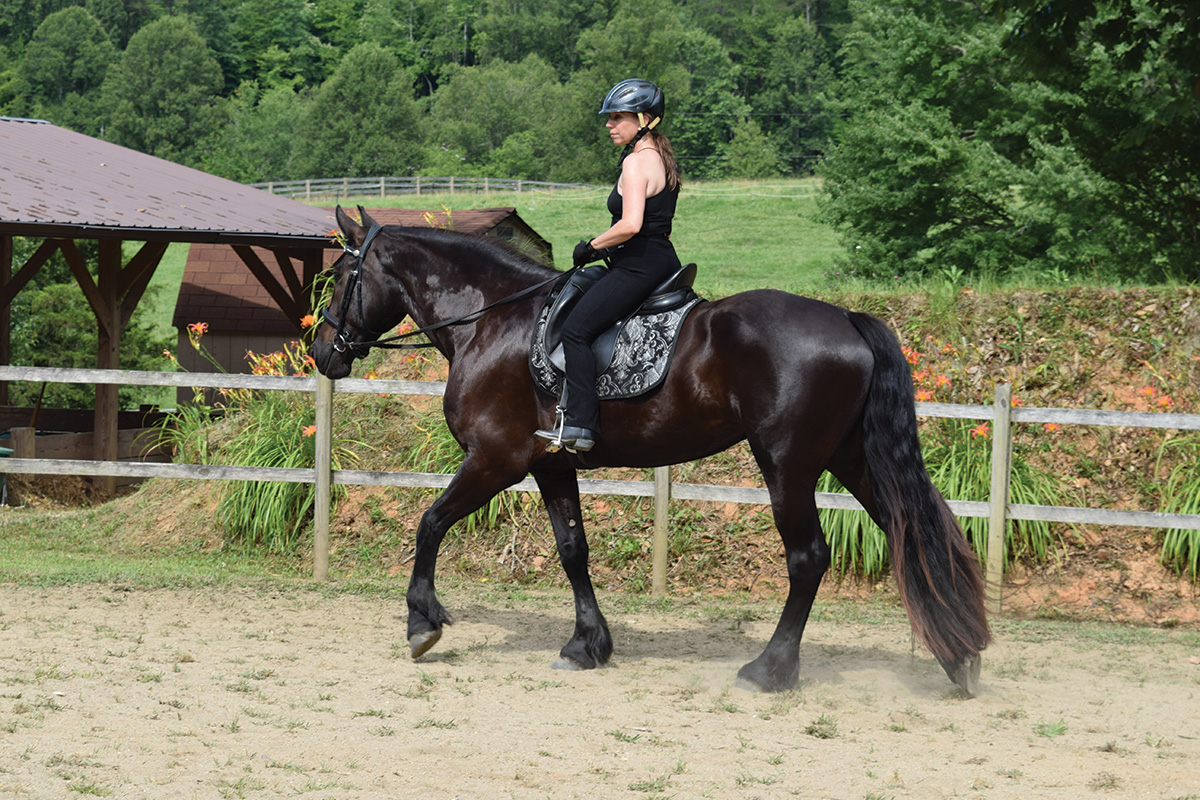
x: 789, y: 329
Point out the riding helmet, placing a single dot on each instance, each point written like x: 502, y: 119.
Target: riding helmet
x: 636, y: 96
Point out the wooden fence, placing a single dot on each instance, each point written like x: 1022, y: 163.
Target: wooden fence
x: 323, y: 188
x: 662, y: 489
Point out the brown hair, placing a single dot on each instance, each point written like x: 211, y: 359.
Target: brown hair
x: 668, y: 158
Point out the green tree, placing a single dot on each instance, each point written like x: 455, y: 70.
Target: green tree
x: 792, y: 91
x: 160, y: 93
x: 255, y: 139
x: 362, y: 121
x: 480, y: 109
x: 276, y: 43
x: 650, y: 40
x: 549, y: 29
x: 942, y: 159
x: 64, y: 67
x: 751, y: 154
x: 1127, y: 94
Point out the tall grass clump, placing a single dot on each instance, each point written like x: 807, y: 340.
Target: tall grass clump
x: 255, y: 429
x: 958, y: 457
x: 1181, y: 495
x: 433, y: 449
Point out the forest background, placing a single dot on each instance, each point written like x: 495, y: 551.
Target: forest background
x: 992, y: 137
x: 1006, y: 141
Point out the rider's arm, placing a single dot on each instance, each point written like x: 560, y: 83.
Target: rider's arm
x: 637, y: 174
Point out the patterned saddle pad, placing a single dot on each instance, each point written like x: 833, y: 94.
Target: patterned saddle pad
x: 642, y: 354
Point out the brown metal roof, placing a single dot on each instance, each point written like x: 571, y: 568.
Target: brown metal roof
x: 56, y: 183
x: 217, y: 287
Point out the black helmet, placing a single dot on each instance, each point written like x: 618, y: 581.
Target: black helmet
x: 636, y: 96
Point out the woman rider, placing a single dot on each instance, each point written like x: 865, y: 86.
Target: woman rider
x: 637, y: 247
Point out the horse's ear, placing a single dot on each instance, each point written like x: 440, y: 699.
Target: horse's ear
x: 366, y: 218
x: 355, y: 233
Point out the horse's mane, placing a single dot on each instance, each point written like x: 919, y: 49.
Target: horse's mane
x: 481, y: 249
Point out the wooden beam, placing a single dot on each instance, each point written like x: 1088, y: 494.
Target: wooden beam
x: 289, y: 273
x: 87, y: 284
x: 12, y: 288
x: 6, y: 260
x: 108, y: 356
x: 290, y: 305
x: 136, y: 277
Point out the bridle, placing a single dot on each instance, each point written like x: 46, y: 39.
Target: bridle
x: 342, y: 343
x: 353, y: 288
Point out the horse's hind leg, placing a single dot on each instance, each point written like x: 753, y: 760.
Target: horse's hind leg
x: 777, y: 669
x: 591, y: 644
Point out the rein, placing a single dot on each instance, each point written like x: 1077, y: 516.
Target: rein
x: 354, y: 286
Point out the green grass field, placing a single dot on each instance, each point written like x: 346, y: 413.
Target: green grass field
x: 742, y: 235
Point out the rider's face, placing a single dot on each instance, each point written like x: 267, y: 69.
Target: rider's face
x: 622, y: 127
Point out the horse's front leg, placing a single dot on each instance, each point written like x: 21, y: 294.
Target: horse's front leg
x: 469, y: 490
x: 591, y: 644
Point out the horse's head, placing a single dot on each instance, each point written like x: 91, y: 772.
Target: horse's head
x: 358, y: 309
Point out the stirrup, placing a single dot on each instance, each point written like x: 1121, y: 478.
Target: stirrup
x: 553, y: 437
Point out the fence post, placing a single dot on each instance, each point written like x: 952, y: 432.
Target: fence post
x: 998, y: 499
x: 662, y: 507
x: 382, y: 186
x: 323, y: 494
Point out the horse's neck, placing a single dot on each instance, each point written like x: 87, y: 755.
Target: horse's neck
x: 451, y: 282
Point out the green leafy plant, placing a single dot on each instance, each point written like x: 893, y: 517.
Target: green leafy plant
x: 257, y: 429
x: 958, y: 457
x: 1181, y: 495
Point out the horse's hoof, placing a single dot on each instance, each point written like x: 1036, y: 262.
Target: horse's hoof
x: 966, y: 675
x: 419, y: 643
x: 567, y: 663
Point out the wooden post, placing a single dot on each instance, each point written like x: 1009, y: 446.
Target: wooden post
x: 108, y: 356
x: 6, y: 259
x: 323, y: 497
x: 24, y: 442
x: 998, y: 500
x: 662, y: 507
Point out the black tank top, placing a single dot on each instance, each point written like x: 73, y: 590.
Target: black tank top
x: 660, y: 210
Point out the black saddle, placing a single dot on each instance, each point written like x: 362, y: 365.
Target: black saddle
x: 675, y: 292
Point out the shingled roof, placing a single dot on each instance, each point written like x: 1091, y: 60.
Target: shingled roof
x: 56, y: 183
x: 218, y: 289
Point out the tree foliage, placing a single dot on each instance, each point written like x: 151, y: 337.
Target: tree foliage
x: 1012, y: 136
x: 160, y: 91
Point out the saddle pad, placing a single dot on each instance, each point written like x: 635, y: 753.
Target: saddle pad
x: 639, y: 363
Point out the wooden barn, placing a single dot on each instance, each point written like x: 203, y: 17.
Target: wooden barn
x: 243, y: 315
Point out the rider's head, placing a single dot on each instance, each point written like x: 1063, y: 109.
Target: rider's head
x: 638, y: 97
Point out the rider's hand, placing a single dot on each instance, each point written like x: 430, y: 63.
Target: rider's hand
x: 585, y: 253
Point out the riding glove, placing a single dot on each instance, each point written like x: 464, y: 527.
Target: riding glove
x: 586, y: 254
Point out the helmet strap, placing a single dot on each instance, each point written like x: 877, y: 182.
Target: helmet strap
x: 629, y: 147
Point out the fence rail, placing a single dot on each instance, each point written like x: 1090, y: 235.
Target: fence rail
x: 661, y: 488
x: 404, y: 185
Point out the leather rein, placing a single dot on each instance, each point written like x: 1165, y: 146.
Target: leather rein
x: 341, y: 343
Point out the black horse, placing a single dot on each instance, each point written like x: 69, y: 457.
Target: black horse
x: 810, y: 386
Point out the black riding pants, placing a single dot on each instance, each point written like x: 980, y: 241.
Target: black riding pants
x: 636, y: 269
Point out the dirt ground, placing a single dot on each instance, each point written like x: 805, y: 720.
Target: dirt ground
x: 148, y: 693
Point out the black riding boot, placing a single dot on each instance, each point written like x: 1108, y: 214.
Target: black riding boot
x: 574, y: 438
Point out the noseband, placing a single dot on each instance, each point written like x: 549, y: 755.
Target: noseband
x: 342, y: 343
x: 353, y: 287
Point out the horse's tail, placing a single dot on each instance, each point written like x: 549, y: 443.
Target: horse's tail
x: 938, y: 575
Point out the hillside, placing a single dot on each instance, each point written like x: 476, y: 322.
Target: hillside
x: 1135, y: 349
